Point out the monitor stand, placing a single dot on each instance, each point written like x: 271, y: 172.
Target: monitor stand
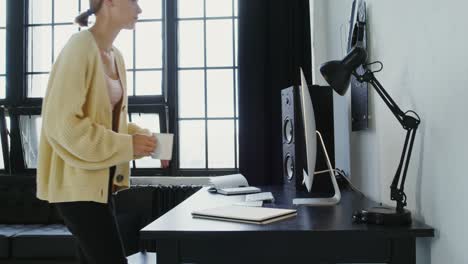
x: 330, y: 201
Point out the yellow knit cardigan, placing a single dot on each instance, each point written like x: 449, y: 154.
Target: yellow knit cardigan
x: 77, y: 145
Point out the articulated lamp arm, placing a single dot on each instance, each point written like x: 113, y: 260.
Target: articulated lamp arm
x: 410, y: 124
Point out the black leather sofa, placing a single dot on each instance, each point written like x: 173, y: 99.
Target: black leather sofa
x: 32, y: 231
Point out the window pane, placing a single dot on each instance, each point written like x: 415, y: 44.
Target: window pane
x: 190, y: 8
x: 237, y: 143
x: 84, y: 6
x: 124, y: 42
x: 148, y: 45
x: 192, y: 144
x: 2, y: 51
x: 148, y: 82
x: 151, y: 9
x: 191, y: 93
x: 65, y: 10
x: 3, y: 13
x: 61, y: 36
x: 217, y: 8
x: 148, y: 121
x: 30, y: 127
x: 191, y: 44
x: 37, y: 85
x: 221, y: 144
x: 40, y: 49
x: 236, y: 39
x: 2, y: 87
x: 219, y: 42
x: 237, y: 95
x: 236, y: 7
x: 40, y: 11
x: 220, y: 93
x: 151, y: 122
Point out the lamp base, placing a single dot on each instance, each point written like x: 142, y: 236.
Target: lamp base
x: 381, y: 215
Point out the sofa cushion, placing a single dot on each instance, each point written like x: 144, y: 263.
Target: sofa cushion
x: 47, y: 241
x: 6, y: 232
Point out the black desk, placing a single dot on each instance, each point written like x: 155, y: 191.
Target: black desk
x: 315, y: 235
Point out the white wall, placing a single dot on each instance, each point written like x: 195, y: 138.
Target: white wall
x: 423, y: 46
x: 325, y: 31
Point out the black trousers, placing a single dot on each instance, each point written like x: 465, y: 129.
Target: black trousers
x: 95, y: 229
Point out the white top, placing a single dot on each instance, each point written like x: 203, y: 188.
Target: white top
x: 115, y: 90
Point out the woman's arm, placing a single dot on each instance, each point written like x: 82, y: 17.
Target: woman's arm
x: 135, y: 129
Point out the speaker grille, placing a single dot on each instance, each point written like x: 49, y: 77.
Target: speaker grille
x: 288, y: 131
x: 289, y: 167
x: 291, y: 164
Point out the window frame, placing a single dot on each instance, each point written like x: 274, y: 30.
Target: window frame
x: 17, y: 103
x: 173, y: 68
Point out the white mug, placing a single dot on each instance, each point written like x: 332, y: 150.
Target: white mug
x: 164, y: 142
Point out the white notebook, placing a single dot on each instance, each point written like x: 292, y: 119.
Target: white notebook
x: 245, y: 214
x: 229, y: 181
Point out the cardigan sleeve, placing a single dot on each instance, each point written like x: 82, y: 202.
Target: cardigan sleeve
x: 135, y: 129
x: 78, y: 140
x: 131, y: 127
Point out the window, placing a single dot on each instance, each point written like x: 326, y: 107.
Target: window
x: 181, y: 64
x: 207, y: 84
x: 143, y: 51
x: 50, y: 24
x: 147, y: 117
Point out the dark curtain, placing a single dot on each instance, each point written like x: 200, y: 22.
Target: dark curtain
x: 274, y: 41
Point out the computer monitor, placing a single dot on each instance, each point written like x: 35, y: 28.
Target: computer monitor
x: 311, y: 135
x: 308, y: 123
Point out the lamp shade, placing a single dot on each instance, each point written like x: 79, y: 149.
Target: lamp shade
x: 338, y: 73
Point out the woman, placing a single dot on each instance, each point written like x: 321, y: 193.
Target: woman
x: 86, y: 143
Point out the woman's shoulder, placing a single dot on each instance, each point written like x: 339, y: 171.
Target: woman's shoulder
x: 79, y: 44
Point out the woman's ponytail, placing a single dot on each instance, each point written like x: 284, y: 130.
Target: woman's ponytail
x: 82, y: 19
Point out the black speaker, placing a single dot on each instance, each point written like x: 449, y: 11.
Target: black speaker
x: 294, y: 151
x: 292, y: 134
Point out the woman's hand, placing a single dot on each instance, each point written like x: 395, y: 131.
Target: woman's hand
x: 143, y: 145
x: 164, y: 164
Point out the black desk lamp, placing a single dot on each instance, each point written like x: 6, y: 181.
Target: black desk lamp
x: 338, y: 74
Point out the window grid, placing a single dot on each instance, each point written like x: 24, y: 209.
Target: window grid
x: 205, y: 69
x: 205, y: 73
x: 134, y: 69
x: 161, y: 112
x: 234, y: 61
x: 22, y: 100
x: 31, y: 72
